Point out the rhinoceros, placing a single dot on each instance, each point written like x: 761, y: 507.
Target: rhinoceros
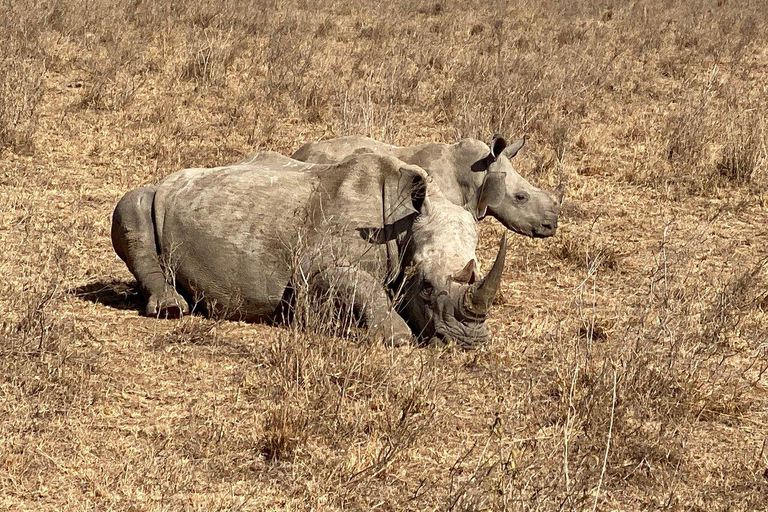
x: 236, y: 238
x: 458, y: 169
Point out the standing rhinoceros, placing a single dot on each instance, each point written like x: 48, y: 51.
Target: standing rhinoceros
x: 236, y: 238
x: 458, y: 171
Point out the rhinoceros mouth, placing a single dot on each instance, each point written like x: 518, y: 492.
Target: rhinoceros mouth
x: 465, y: 335
x: 466, y: 314
x: 546, y: 230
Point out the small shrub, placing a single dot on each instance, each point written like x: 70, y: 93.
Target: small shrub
x: 740, y: 158
x: 583, y: 252
x: 285, y: 431
x: 569, y: 35
x: 733, y: 302
x: 208, y: 60
x: 431, y: 8
x: 41, y: 356
x: 684, y: 141
x: 21, y: 90
x: 111, y: 91
x: 687, y: 133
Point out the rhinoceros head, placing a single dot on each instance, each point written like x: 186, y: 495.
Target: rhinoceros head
x: 445, y: 295
x: 525, y: 209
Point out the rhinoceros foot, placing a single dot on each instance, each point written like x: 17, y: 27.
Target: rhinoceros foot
x: 400, y: 339
x: 168, y: 305
x: 394, y: 331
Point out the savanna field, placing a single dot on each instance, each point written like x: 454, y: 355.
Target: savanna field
x: 629, y: 365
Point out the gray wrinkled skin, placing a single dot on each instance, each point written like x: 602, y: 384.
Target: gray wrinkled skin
x: 232, y: 239
x: 443, y: 241
x: 457, y: 170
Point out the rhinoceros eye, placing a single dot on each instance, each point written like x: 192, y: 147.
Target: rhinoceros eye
x: 521, y: 197
x: 426, y: 290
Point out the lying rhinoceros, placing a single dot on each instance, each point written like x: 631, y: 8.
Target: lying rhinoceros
x: 458, y: 171
x: 236, y: 238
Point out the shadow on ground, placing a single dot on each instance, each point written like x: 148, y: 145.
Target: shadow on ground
x: 114, y: 294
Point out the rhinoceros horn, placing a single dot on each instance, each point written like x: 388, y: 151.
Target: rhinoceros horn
x: 479, y: 297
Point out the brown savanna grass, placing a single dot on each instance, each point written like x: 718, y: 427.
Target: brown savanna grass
x: 630, y: 359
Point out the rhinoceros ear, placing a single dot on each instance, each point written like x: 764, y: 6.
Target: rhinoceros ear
x: 403, y: 190
x: 469, y: 274
x: 404, y: 193
x: 498, y: 144
x: 491, y: 193
x: 512, y: 150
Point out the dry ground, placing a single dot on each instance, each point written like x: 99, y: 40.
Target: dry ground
x: 628, y: 370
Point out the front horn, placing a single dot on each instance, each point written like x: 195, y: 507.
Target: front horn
x: 479, y: 297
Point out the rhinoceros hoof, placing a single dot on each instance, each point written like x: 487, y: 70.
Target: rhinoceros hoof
x: 169, y: 305
x: 400, y: 339
x: 394, y: 335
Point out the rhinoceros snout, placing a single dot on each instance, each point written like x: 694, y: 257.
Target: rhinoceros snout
x: 547, y: 228
x: 462, y: 337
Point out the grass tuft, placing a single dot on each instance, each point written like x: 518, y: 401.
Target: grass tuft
x: 285, y: 431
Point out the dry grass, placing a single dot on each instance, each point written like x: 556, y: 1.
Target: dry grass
x: 630, y: 359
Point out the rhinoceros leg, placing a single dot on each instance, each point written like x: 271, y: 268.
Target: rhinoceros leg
x: 368, y: 298
x: 133, y: 237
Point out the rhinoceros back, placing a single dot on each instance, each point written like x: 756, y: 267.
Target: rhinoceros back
x: 448, y: 164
